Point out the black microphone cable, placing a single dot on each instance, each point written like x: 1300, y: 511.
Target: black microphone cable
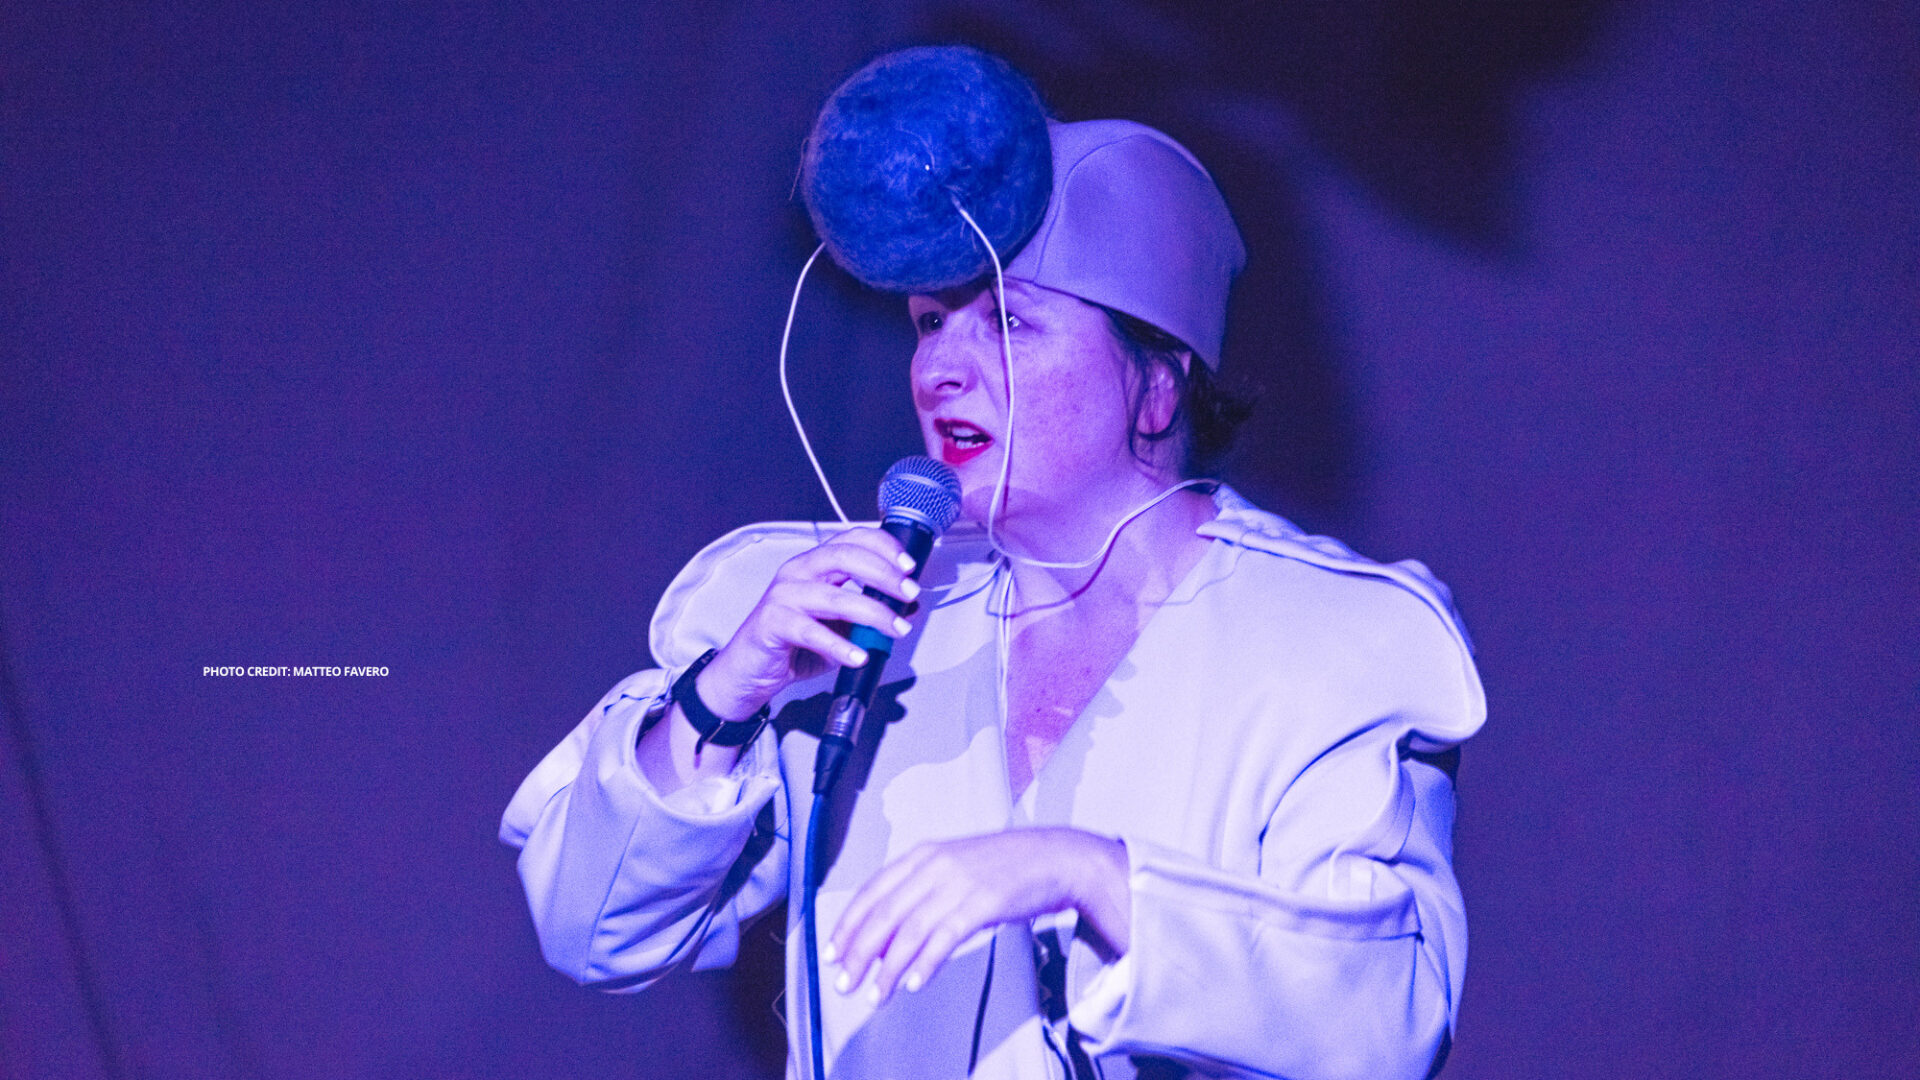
x: 919, y: 499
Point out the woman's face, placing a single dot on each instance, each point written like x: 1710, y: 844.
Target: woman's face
x: 1072, y: 398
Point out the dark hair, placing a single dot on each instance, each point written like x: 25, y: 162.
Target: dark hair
x: 1209, y: 413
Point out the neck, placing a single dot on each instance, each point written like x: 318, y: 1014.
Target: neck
x: 1146, y: 560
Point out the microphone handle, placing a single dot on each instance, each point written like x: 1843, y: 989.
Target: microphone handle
x: 854, y: 689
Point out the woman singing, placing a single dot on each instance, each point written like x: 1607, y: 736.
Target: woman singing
x: 1155, y: 784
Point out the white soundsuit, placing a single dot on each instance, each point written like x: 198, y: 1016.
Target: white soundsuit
x: 1271, y: 752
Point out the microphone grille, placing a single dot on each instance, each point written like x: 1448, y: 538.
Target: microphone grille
x: 923, y: 489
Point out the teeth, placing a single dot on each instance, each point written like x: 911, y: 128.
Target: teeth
x: 964, y: 435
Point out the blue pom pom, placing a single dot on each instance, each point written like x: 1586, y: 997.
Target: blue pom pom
x: 903, y: 138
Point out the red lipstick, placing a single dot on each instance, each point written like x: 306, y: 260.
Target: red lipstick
x: 961, y: 442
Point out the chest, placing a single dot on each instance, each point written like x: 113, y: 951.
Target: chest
x: 1182, y: 731
x: 1055, y: 668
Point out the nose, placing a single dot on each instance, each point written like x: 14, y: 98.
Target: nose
x: 945, y: 364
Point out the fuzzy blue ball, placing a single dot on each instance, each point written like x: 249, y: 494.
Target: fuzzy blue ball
x: 905, y: 136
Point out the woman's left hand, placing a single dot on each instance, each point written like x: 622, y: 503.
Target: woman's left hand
x: 911, y: 915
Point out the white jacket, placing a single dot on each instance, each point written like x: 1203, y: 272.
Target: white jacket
x: 1269, y: 752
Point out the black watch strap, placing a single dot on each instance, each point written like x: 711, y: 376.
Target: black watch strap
x: 712, y: 729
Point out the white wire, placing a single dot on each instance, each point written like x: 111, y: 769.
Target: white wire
x: 787, y: 391
x: 1003, y: 650
x: 1003, y: 618
x: 1004, y: 622
x: 998, y: 504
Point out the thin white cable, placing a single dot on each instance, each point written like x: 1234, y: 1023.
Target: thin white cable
x: 787, y: 391
x: 998, y: 504
x: 1003, y: 620
x: 1003, y: 650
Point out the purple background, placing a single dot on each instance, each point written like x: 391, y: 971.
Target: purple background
x: 437, y: 337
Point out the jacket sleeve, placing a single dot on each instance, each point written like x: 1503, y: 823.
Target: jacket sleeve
x: 1343, y: 955
x: 625, y: 885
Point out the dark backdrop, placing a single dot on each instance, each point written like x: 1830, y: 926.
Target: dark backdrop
x: 437, y: 336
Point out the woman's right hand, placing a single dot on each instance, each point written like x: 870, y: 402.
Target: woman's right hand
x: 793, y: 632
x: 797, y: 628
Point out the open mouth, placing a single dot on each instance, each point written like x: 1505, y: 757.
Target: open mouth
x: 961, y: 441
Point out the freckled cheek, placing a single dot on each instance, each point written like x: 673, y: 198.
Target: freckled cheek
x: 1073, y: 424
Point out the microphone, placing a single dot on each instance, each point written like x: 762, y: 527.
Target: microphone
x: 919, y: 499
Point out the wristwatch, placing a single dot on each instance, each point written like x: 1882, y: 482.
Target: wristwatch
x: 712, y: 729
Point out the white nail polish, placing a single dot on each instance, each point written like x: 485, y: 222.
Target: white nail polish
x: 906, y: 562
x: 913, y: 982
x: 844, y: 983
x: 910, y: 587
x: 829, y: 953
x: 857, y: 657
x: 873, y: 995
x: 903, y: 626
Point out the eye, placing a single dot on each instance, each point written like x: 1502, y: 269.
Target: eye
x: 1013, y: 321
x: 928, y: 321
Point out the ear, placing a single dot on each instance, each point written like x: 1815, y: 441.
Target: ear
x: 1163, y: 396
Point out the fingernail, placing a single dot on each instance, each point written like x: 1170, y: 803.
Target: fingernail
x: 844, y: 983
x: 857, y: 656
x: 829, y: 953
x: 913, y: 982
x: 873, y: 995
x: 902, y: 626
x: 909, y: 587
x: 906, y: 562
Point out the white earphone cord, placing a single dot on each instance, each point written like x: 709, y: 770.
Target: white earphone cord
x: 786, y: 391
x: 1004, y: 620
x: 997, y: 505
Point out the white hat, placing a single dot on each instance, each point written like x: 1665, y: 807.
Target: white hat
x: 1134, y: 223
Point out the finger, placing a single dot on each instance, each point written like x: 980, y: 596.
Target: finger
x: 924, y: 941
x: 838, y: 563
x: 827, y: 602
x: 865, y: 926
x: 878, y: 931
x: 798, y: 630
x: 934, y: 955
x: 879, y: 542
x: 869, y: 895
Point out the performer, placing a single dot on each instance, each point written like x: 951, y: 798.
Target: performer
x: 1131, y: 804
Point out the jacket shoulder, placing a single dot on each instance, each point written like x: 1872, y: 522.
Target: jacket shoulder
x: 1242, y: 523
x: 1394, y: 610
x: 711, y: 596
